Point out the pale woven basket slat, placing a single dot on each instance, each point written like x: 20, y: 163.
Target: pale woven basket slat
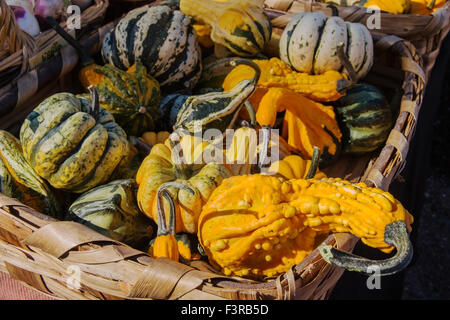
x: 17, y: 47
x: 39, y: 250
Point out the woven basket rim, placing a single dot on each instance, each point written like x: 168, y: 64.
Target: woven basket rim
x: 358, y: 14
x: 48, y: 37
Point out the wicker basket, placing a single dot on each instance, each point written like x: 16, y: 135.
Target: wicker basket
x: 426, y: 33
x: 43, y: 253
x: 20, y: 52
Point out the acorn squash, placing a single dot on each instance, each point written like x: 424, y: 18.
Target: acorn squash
x: 309, y: 43
x: 73, y: 143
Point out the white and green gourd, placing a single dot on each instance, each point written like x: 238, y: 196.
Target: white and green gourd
x: 310, y: 42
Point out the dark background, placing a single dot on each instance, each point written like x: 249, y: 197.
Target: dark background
x: 425, y: 192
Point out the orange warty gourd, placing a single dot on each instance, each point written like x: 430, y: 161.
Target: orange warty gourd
x: 260, y: 225
x: 325, y: 87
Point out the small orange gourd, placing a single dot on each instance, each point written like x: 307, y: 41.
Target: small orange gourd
x: 165, y: 244
x: 295, y: 167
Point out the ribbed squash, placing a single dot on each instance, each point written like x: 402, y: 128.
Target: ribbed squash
x: 259, y: 225
x: 71, y: 143
x: 365, y: 119
x: 163, y: 39
x: 309, y: 43
x: 239, y: 25
x: 182, y: 171
x: 306, y: 123
x: 19, y: 180
x: 169, y: 107
x: 152, y: 138
x: 295, y: 167
x: 131, y: 96
x: 328, y: 86
x: 112, y: 210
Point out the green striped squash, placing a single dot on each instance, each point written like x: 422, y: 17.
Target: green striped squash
x: 310, y: 40
x: 73, y: 145
x: 365, y: 119
x: 131, y: 96
x: 163, y: 39
x: 112, y: 210
x: 19, y: 180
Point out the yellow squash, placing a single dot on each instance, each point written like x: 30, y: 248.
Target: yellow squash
x: 171, y: 166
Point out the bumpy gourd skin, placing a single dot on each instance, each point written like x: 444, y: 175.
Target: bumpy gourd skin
x: 275, y: 73
x: 261, y: 225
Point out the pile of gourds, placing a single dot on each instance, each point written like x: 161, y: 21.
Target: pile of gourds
x: 125, y: 157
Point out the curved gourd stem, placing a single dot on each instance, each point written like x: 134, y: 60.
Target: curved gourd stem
x: 85, y: 59
x: 162, y: 192
x: 162, y: 224
x: 314, y: 163
x: 395, y: 234
x: 138, y: 143
x: 431, y: 5
x: 334, y: 10
x: 251, y: 112
x: 95, y: 105
x: 251, y: 64
x: 347, y: 65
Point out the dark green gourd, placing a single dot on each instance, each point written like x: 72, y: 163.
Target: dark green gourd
x: 112, y: 210
x: 365, y: 119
